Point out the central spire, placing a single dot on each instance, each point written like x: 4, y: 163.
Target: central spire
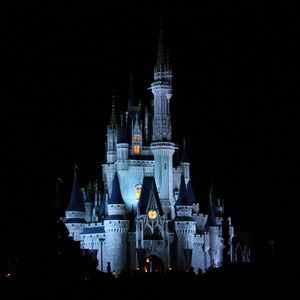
x: 162, y: 70
x: 162, y: 92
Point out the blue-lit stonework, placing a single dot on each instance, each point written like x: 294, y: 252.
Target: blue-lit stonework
x: 146, y: 215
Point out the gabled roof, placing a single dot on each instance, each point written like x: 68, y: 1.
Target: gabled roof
x: 183, y: 199
x: 77, y: 201
x: 190, y: 193
x: 148, y: 193
x: 116, y: 196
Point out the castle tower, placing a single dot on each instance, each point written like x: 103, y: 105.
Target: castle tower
x: 75, y: 213
x: 161, y: 146
x: 116, y: 228
x: 162, y: 92
x: 185, y: 228
x: 213, y: 228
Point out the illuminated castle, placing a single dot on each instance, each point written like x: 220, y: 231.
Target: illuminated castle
x: 147, y: 216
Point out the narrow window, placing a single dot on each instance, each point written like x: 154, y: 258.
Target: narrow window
x: 138, y: 192
x: 136, y: 149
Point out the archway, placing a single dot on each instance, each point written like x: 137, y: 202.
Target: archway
x: 154, y: 264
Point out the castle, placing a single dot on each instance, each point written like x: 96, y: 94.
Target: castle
x: 147, y: 216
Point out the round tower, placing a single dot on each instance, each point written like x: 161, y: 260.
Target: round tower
x: 185, y: 228
x: 75, y: 213
x: 213, y: 230
x: 116, y: 227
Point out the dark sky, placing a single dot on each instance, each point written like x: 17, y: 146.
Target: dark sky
x: 235, y: 98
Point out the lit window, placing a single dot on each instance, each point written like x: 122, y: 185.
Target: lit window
x: 138, y: 192
x: 136, y: 137
x: 136, y: 149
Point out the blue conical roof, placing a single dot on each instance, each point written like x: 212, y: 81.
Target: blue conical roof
x: 116, y: 196
x: 183, y: 199
x: 103, y: 207
x: 190, y: 193
x: 88, y: 197
x: 77, y: 201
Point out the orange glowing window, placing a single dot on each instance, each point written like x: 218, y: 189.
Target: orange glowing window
x: 136, y: 137
x: 136, y: 149
x: 138, y: 192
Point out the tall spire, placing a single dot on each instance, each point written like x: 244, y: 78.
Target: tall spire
x: 113, y: 118
x: 160, y: 63
x: 76, y: 201
x: 162, y: 70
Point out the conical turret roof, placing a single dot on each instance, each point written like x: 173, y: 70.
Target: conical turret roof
x: 116, y: 196
x: 190, y: 192
x: 76, y: 201
x: 183, y: 200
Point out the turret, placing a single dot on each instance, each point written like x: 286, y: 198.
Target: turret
x: 116, y: 228
x: 185, y: 227
x: 88, y: 203
x: 185, y: 164
x: 75, y: 213
x: 122, y: 148
x: 213, y: 229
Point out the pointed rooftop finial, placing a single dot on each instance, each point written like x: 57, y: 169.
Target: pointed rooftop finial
x: 184, y: 158
x: 75, y: 171
x: 160, y: 52
x: 113, y: 112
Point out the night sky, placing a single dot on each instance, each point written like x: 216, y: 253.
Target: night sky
x: 235, y: 101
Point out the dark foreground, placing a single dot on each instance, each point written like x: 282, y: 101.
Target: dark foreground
x: 234, y: 282
x: 57, y: 269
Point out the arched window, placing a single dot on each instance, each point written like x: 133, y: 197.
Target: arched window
x: 138, y: 192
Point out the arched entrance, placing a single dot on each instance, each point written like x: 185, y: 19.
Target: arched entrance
x: 154, y: 264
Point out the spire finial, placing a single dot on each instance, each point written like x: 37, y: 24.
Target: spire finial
x: 113, y: 113
x: 75, y: 171
x: 161, y: 52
